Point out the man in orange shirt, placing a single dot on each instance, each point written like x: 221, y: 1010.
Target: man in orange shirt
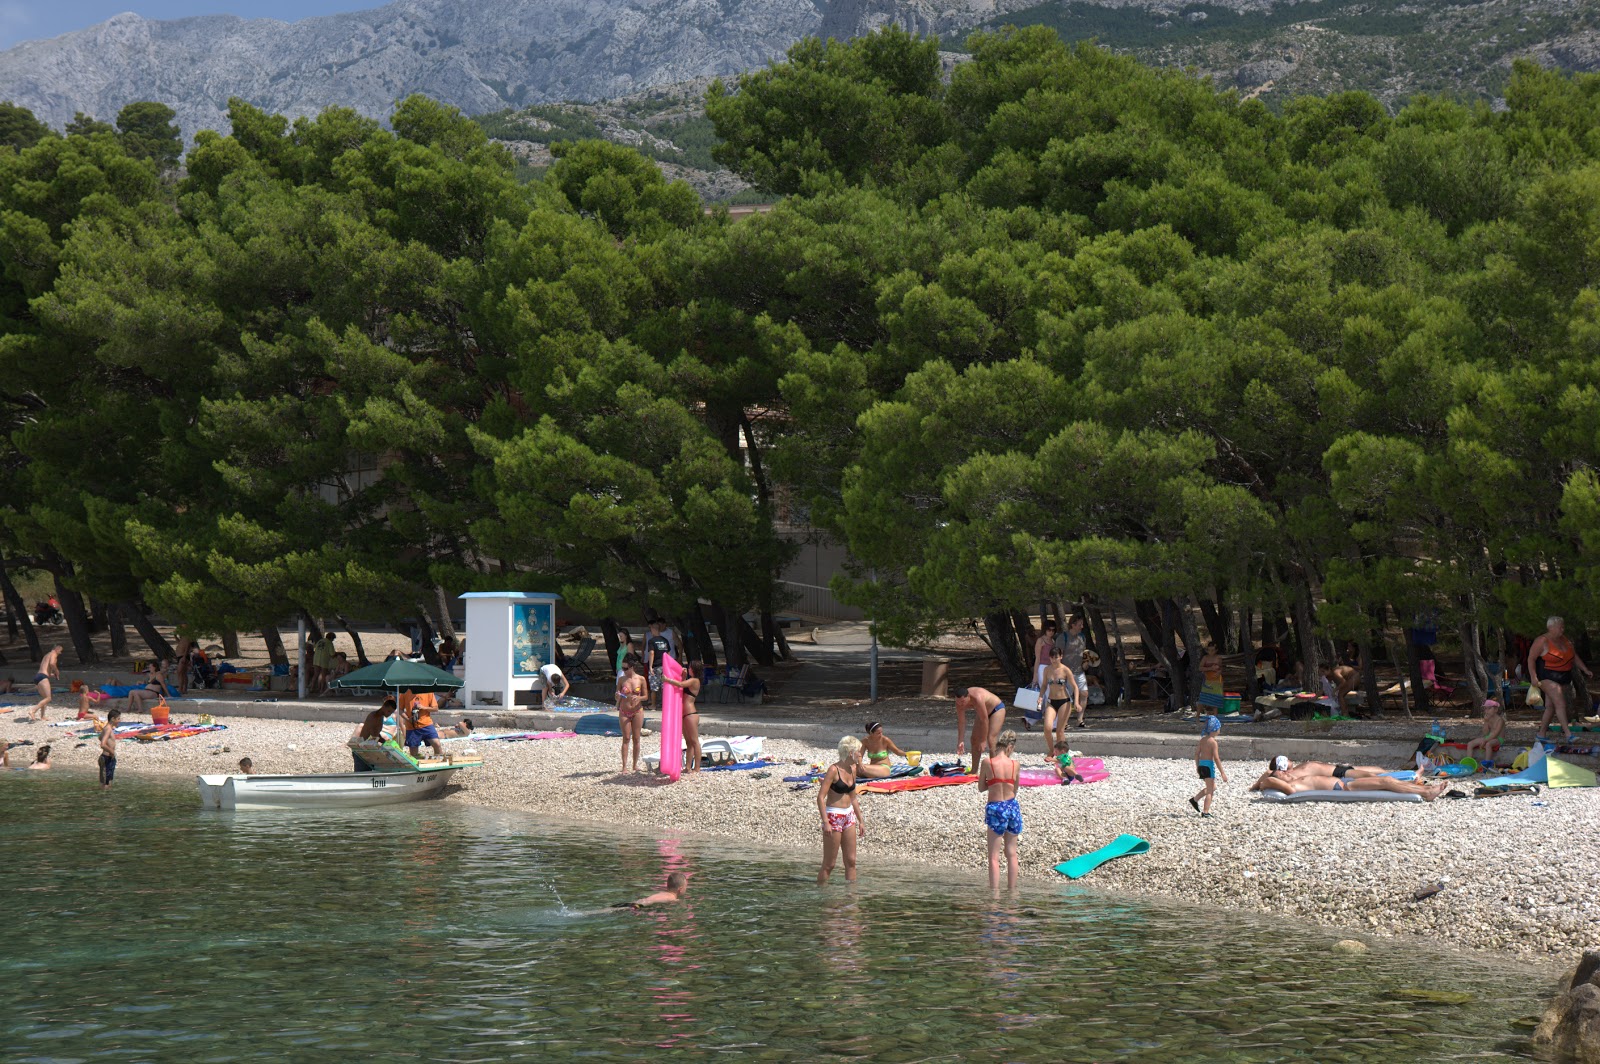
x: 416, y: 714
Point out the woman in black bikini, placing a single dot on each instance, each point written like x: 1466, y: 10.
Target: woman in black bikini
x: 690, y: 686
x: 153, y: 691
x: 841, y: 816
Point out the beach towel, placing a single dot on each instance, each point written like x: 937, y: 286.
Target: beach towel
x: 160, y: 733
x: 573, y: 704
x: 915, y: 783
x: 512, y: 737
x: 112, y: 690
x: 739, y: 766
x: 598, y: 724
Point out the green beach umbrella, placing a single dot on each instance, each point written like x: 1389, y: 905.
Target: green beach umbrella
x: 399, y: 675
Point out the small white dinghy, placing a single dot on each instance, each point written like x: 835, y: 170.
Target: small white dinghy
x: 395, y: 778
x: 332, y: 790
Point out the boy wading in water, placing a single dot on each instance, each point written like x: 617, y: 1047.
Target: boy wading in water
x: 1002, y: 817
x: 1208, y: 765
x: 108, y: 748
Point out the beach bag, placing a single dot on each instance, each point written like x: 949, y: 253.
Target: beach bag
x: 1027, y: 698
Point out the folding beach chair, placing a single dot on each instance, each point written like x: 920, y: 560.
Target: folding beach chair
x: 577, y: 668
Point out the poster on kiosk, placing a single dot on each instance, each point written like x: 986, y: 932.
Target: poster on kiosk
x: 510, y: 636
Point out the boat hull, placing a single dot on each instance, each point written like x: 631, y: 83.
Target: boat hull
x: 338, y: 790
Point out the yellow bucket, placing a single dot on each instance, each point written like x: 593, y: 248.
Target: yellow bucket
x: 913, y: 758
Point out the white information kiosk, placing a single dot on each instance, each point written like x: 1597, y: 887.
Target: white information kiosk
x: 510, y: 634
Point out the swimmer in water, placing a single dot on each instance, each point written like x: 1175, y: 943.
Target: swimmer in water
x: 677, y: 887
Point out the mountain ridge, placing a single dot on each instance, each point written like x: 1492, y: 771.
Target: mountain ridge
x: 489, y: 56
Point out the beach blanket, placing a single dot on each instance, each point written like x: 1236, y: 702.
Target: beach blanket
x: 112, y: 690
x: 915, y: 783
x: 574, y: 704
x: 160, y: 733
x: 512, y: 737
x: 739, y: 766
x: 598, y: 724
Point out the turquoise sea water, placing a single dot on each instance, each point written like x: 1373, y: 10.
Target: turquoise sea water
x: 145, y: 929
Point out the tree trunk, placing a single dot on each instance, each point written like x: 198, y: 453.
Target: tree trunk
x: 1216, y: 618
x: 1001, y: 635
x: 1025, y: 637
x: 702, y: 635
x: 77, y: 622
x: 98, y: 621
x: 1251, y: 689
x: 1125, y: 693
x: 769, y: 634
x: 612, y: 640
x: 117, y: 631
x: 430, y: 653
x: 1191, y: 640
x: 1304, y: 622
x: 751, y: 641
x: 446, y: 623
x: 230, y: 644
x: 778, y: 640
x: 729, y: 632
x: 1184, y: 689
x: 19, y: 612
x: 152, y: 637
x: 273, y: 638
x: 1471, y: 664
x: 355, y: 637
x: 1165, y: 657
x: 1110, y: 670
x: 1419, y: 693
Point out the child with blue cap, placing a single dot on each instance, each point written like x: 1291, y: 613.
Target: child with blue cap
x: 1208, y: 765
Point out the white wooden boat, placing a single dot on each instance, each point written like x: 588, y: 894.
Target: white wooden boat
x: 332, y: 790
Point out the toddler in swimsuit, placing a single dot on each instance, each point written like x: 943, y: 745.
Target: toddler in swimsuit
x: 1208, y: 765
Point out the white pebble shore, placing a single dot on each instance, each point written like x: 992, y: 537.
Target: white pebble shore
x: 1519, y: 873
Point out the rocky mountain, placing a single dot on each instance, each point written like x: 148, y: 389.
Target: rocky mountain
x: 480, y: 55
x: 541, y: 69
x: 1394, y: 49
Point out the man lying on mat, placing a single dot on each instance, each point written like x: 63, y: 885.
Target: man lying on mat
x: 1279, y: 780
x: 1296, y: 769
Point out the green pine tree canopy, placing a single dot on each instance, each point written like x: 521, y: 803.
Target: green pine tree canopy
x: 1053, y: 325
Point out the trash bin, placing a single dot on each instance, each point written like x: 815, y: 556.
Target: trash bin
x: 935, y: 677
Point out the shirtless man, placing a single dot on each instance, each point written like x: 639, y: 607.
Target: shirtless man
x: 1342, y: 680
x: 989, y: 720
x: 677, y: 886
x: 50, y: 669
x: 1298, y: 769
x: 1279, y: 780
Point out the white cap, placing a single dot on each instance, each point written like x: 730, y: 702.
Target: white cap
x: 1280, y: 763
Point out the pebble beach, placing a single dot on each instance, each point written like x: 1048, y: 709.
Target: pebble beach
x: 1517, y: 872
